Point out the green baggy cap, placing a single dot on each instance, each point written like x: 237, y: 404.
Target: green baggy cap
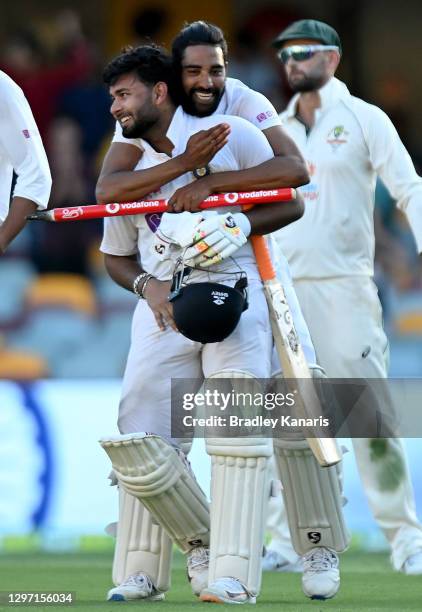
x: 308, y: 28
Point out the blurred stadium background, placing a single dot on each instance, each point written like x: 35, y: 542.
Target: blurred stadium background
x: 64, y: 325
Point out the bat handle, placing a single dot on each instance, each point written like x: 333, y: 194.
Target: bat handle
x: 40, y: 215
x: 263, y: 258
x: 262, y: 254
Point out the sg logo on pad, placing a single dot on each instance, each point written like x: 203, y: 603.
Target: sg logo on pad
x: 314, y: 537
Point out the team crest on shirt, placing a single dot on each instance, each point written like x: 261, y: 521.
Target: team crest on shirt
x: 337, y: 136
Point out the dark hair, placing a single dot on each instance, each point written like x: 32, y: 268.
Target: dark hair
x: 197, y: 33
x: 151, y: 64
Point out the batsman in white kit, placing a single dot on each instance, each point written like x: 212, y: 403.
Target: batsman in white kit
x: 140, y: 255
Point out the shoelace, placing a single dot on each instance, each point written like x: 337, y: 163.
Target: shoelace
x: 200, y: 556
x: 319, y: 560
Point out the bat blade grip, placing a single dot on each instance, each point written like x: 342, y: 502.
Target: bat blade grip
x: 262, y: 254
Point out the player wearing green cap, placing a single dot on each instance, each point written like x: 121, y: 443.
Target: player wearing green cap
x: 348, y: 143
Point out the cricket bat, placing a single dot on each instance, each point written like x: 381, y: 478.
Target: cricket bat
x: 290, y: 351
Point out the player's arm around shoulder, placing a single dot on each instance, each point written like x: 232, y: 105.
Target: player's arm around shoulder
x: 288, y: 167
x: 247, y: 151
x: 268, y: 158
x: 257, y: 167
x: 121, y: 181
x: 117, y: 181
x: 252, y: 151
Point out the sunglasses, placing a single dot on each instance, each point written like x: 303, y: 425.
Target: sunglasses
x: 301, y: 53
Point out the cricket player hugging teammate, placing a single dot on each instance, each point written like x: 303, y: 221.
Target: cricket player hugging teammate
x: 160, y: 499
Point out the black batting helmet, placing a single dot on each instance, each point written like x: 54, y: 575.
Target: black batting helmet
x: 207, y: 312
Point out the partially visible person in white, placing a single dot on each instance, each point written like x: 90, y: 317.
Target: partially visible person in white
x: 22, y: 153
x: 348, y: 143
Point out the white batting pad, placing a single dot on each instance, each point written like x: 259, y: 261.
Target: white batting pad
x: 240, y: 490
x: 312, y: 496
x: 152, y: 470
x: 141, y: 545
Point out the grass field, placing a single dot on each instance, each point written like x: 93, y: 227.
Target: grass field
x: 368, y: 585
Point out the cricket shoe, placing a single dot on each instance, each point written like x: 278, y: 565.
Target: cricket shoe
x: 321, y: 576
x: 197, y: 568
x: 413, y: 565
x: 136, y: 586
x: 273, y: 561
x: 227, y: 590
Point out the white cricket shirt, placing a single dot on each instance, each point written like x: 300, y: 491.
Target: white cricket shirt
x: 21, y: 150
x: 242, y: 101
x: 350, y: 144
x: 246, y: 147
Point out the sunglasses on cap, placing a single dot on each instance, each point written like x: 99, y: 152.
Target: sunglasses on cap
x: 301, y: 53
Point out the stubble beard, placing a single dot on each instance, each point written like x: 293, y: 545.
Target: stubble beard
x: 144, y: 119
x: 307, y: 83
x: 139, y: 128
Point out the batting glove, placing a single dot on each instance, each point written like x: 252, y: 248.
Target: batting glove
x: 217, y: 238
x: 174, y: 232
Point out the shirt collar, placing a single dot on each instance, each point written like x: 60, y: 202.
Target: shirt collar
x: 330, y: 93
x: 173, y: 132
